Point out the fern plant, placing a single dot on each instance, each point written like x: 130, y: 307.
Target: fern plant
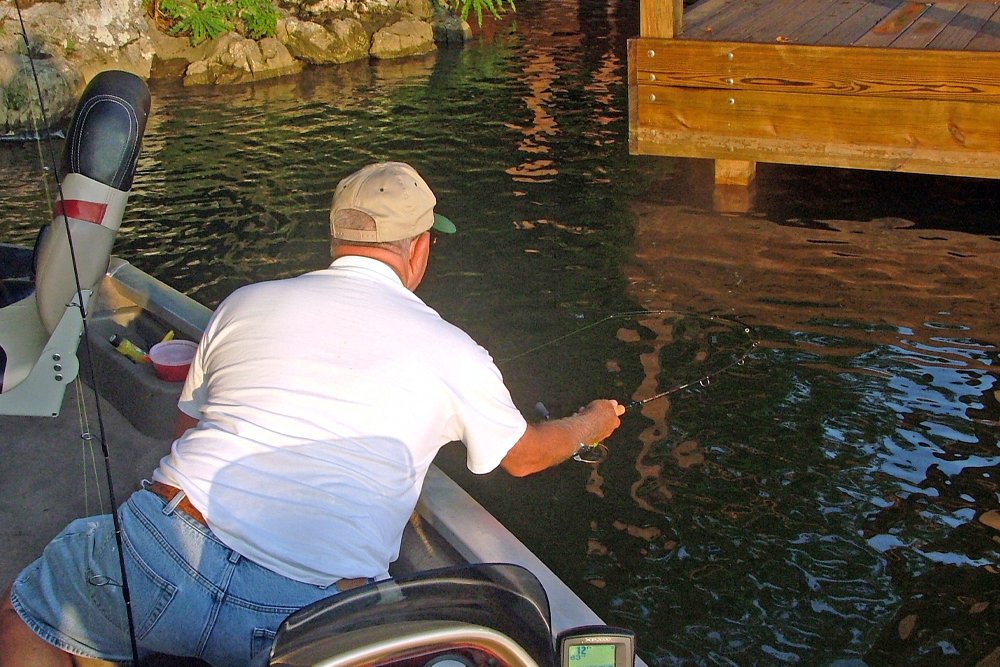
x: 207, y: 19
x: 200, y: 21
x: 495, y: 7
x: 259, y: 18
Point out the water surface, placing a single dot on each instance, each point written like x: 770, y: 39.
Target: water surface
x: 828, y: 499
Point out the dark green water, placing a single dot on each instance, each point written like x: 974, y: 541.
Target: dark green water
x: 825, y: 502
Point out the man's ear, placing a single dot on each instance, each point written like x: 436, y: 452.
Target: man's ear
x: 416, y: 260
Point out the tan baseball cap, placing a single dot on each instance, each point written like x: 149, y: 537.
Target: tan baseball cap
x: 394, y: 196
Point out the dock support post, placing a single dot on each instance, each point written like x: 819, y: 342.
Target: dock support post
x: 657, y: 21
x: 735, y: 172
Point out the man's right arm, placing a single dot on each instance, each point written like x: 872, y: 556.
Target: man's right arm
x: 549, y: 443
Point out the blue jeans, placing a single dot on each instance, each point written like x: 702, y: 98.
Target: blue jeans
x: 191, y: 594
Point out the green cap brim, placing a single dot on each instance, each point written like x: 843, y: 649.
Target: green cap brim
x: 443, y: 224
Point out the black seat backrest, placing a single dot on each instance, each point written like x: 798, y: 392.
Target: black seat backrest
x: 99, y: 159
x: 102, y: 144
x: 98, y: 165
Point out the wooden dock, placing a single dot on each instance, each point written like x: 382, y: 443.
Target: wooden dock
x: 863, y: 84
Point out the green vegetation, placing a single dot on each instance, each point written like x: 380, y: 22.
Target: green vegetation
x: 495, y: 7
x: 259, y: 18
x: 207, y: 19
x: 15, y: 96
x: 199, y: 20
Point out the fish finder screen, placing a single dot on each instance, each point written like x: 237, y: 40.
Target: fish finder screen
x: 593, y: 655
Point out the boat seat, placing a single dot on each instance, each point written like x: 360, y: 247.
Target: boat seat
x: 491, y: 612
x: 17, y: 273
x: 41, y: 309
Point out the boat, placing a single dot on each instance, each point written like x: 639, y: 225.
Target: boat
x: 464, y: 591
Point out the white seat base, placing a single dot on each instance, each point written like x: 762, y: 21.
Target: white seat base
x: 41, y: 393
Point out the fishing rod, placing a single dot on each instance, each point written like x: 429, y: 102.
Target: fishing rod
x: 703, y: 381
x: 597, y: 452
x: 85, y: 434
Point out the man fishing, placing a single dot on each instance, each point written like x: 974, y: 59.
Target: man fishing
x: 310, y: 415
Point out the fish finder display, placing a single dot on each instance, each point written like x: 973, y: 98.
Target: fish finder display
x: 596, y: 646
x: 592, y: 655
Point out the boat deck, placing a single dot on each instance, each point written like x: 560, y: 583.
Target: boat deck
x: 868, y: 84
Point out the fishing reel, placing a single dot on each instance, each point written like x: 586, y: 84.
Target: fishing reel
x: 593, y: 453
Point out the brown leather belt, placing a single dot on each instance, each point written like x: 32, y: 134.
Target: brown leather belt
x: 168, y: 493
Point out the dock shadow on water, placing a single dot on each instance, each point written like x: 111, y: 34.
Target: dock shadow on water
x: 831, y: 500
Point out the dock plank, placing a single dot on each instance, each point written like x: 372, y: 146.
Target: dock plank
x: 988, y: 37
x: 794, y: 20
x: 729, y: 19
x: 964, y: 27
x: 928, y: 26
x: 825, y: 21
x: 909, y: 85
x: 843, y: 71
x: 857, y: 25
x: 890, y: 28
x: 762, y: 26
x: 898, y: 135
x: 700, y: 15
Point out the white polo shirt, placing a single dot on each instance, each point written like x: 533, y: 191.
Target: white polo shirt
x: 322, y: 401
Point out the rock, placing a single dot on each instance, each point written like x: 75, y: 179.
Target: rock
x: 325, y: 8
x: 173, y: 55
x: 420, y: 9
x: 236, y: 59
x: 20, y: 111
x: 344, y: 40
x: 407, y: 37
x: 277, y: 60
x: 449, y: 30
x: 93, y: 35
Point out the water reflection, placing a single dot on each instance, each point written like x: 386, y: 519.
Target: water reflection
x: 881, y: 374
x: 829, y: 499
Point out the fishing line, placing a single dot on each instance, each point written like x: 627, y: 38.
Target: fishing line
x: 575, y: 332
x: 598, y: 452
x: 704, y: 380
x: 86, y: 342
